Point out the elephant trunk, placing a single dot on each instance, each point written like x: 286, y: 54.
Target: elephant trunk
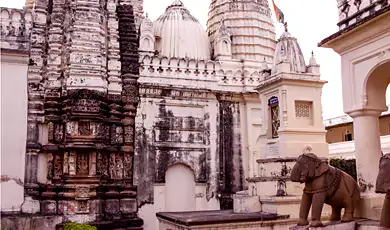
x: 296, y: 173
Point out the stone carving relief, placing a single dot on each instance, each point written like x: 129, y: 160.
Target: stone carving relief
x: 116, y: 165
x: 81, y: 121
x: 58, y: 170
x: 127, y: 166
x: 82, y: 163
x: 102, y: 164
x: 50, y: 166
x: 82, y: 192
x: 72, y: 163
x: 84, y: 128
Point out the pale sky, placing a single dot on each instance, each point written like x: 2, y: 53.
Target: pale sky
x: 309, y: 21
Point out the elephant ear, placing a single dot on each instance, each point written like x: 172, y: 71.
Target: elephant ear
x: 321, y: 168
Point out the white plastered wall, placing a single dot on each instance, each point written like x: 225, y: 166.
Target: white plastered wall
x: 13, y: 129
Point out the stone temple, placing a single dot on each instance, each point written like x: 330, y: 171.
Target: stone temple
x: 116, y: 121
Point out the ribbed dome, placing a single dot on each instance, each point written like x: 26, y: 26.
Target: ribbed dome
x: 288, y: 49
x: 250, y: 25
x: 179, y: 34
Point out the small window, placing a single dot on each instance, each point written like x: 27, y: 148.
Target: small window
x: 303, y: 109
x: 348, y: 137
x: 273, y: 103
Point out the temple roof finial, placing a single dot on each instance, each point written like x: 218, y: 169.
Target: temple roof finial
x: 312, y: 61
x: 285, y: 27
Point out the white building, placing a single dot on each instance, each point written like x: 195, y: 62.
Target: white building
x: 201, y: 124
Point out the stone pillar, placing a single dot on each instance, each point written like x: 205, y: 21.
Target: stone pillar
x: 367, y: 147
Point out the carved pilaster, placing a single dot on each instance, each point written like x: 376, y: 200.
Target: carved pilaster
x: 130, y: 73
x: 36, y: 72
x: 284, y: 108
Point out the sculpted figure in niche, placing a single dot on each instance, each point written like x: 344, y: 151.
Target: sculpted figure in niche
x: 324, y: 184
x: 383, y: 186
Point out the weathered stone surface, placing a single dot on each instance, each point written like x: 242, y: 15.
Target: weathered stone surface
x: 329, y: 226
x: 244, y: 203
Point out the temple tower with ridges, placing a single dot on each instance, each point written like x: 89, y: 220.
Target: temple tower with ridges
x: 250, y: 25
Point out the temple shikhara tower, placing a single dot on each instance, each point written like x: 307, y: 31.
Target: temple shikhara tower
x: 82, y: 102
x: 122, y: 122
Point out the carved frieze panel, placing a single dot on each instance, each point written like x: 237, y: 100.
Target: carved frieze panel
x: 59, y: 133
x: 72, y: 163
x: 50, y: 166
x: 82, y: 207
x: 83, y: 128
x: 102, y: 164
x: 127, y: 166
x: 66, y: 163
x: 82, y: 164
x: 58, y: 166
x: 92, y: 163
x: 116, y: 166
x: 129, y: 134
x: 82, y: 192
x: 116, y: 134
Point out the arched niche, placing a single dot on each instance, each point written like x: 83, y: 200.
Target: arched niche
x: 179, y: 188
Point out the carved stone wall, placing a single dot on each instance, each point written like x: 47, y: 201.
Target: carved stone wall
x: 15, y: 29
x: 83, y: 97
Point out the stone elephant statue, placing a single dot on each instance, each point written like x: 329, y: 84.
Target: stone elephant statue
x: 383, y: 186
x: 324, y: 184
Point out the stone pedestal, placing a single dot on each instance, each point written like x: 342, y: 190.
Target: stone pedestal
x: 30, y: 206
x: 244, y: 203
x: 329, y: 226
x: 287, y: 205
x: 370, y: 206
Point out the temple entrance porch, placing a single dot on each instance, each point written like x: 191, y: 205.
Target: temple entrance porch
x: 365, y: 57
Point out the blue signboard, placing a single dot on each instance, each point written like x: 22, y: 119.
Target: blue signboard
x: 273, y: 101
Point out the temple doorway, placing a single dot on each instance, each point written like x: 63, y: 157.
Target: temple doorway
x: 179, y: 189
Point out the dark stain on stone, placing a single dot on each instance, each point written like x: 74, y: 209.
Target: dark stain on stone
x: 5, y: 178
x: 230, y: 177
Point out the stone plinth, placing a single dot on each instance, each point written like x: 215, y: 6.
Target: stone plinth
x: 329, y: 226
x: 287, y: 205
x: 226, y: 219
x: 370, y: 206
x: 244, y: 203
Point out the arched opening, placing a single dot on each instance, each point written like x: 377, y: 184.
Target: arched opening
x: 179, y: 189
x: 376, y: 86
x: 145, y: 44
x: 366, y: 126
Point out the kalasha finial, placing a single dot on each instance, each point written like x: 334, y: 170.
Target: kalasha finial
x: 285, y: 27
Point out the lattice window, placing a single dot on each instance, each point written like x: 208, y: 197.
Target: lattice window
x: 303, y: 109
x: 273, y: 103
x: 275, y: 120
